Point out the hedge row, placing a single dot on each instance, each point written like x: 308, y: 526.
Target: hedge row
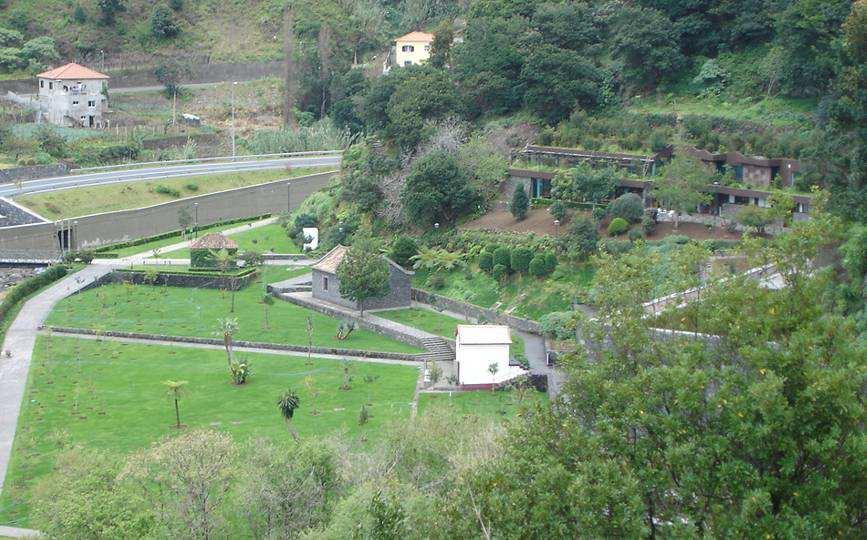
x: 29, y: 286
x: 139, y: 241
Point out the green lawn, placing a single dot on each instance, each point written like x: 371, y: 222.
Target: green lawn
x: 497, y: 405
x: 438, y: 323
x: 269, y: 238
x: 776, y: 111
x: 109, y: 395
x: 174, y: 239
x: 83, y: 201
x: 424, y: 319
x: 522, y: 296
x: 179, y: 311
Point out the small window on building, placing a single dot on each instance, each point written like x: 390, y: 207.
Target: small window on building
x: 426, y: 48
x: 408, y: 63
x: 65, y: 88
x: 41, y: 84
x: 91, y: 103
x: 407, y: 48
x: 324, y: 283
x: 51, y: 86
x: 75, y: 103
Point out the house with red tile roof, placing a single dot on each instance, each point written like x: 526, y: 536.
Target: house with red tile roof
x: 73, y: 96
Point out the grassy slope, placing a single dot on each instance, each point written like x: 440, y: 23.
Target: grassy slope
x: 225, y: 29
x: 83, y: 201
x: 195, y: 312
x: 270, y: 238
x: 522, y: 296
x: 437, y: 323
x: 110, y: 395
x: 485, y: 404
x: 175, y: 239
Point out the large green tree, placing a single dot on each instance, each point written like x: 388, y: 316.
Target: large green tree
x: 363, y: 273
x: 558, y: 81
x: 437, y: 190
x: 682, y: 186
x: 646, y: 44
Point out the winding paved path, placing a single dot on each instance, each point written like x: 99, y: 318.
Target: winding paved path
x: 20, y: 340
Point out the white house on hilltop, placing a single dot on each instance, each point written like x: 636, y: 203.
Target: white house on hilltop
x: 73, y: 96
x: 482, y: 355
x: 411, y: 49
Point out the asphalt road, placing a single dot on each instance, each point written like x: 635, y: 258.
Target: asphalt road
x: 112, y: 177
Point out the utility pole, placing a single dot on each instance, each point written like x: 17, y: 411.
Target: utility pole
x: 175, y: 106
x: 289, y: 196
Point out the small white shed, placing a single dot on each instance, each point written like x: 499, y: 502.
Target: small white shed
x: 477, y: 349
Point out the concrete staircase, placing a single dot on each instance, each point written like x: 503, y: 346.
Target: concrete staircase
x: 438, y: 350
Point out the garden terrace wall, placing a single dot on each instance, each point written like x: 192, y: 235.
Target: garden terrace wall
x: 197, y: 280
x: 476, y: 312
x: 88, y: 232
x: 366, y: 324
x: 32, y: 173
x: 238, y: 343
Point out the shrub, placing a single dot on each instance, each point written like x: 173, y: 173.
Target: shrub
x: 614, y: 246
x: 503, y: 257
x: 499, y: 271
x: 550, y: 262
x: 486, y: 261
x: 165, y: 190
x: 240, y: 370
x: 635, y: 235
x: 163, y: 24
x: 755, y: 217
x: 84, y: 256
x: 493, y: 248
x: 617, y: 226
x: 403, y: 249
x: 520, y: 203
x: 436, y: 281
x: 558, y: 210
x: 538, y: 267
x: 648, y: 225
x: 583, y: 236
x: 628, y: 206
x: 558, y: 324
x: 192, y: 187
x: 520, y: 260
x: 599, y: 212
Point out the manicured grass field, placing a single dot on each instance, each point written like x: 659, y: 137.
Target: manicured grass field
x: 523, y: 296
x: 174, y: 239
x: 269, y: 238
x: 438, y: 323
x: 497, y: 405
x: 424, y: 319
x: 83, y: 201
x: 179, y: 311
x: 110, y: 395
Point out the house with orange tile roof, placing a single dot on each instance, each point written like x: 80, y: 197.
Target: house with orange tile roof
x: 412, y: 49
x: 73, y: 96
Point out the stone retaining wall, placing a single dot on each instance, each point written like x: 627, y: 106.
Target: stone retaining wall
x: 367, y: 324
x: 191, y: 280
x: 7, y: 176
x: 476, y: 312
x: 96, y: 230
x: 238, y: 343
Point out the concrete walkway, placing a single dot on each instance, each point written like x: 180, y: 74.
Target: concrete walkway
x: 20, y: 340
x: 15, y: 532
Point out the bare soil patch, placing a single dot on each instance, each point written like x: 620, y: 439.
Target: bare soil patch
x: 538, y: 221
x: 696, y: 231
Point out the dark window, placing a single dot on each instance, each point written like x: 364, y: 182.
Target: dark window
x: 41, y: 84
x: 407, y: 48
x: 739, y: 172
x: 324, y: 283
x: 51, y: 86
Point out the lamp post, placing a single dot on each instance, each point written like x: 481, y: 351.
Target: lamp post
x: 234, y: 84
x: 196, y: 220
x: 288, y: 196
x: 556, y: 227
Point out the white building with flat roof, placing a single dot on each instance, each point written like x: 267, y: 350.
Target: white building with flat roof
x: 482, y: 355
x: 73, y: 96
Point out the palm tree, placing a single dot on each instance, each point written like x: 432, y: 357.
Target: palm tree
x: 288, y: 404
x: 228, y: 327
x: 176, y: 388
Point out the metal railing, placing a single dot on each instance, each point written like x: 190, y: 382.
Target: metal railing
x: 229, y: 159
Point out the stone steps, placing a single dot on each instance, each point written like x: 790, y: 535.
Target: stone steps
x: 438, y: 349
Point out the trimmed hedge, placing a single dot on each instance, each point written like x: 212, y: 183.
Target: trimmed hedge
x: 538, y: 268
x: 486, y: 261
x: 503, y: 257
x: 617, y: 226
x: 520, y: 260
x: 30, y: 286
